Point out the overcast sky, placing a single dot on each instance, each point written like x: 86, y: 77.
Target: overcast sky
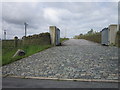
x: 73, y: 17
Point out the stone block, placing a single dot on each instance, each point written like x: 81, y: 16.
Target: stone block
x: 19, y: 53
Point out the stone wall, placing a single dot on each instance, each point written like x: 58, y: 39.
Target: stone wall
x: 10, y: 43
x: 40, y: 39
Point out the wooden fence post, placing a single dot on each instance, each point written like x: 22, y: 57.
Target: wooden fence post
x: 16, y: 41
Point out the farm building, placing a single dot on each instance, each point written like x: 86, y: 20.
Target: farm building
x: 109, y: 35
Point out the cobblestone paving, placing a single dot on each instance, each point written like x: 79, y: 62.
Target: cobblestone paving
x: 69, y: 62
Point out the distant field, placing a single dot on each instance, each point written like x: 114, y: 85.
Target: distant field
x: 8, y: 52
x: 95, y: 37
x: 63, y: 39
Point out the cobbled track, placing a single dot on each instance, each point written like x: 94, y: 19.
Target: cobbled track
x: 72, y: 61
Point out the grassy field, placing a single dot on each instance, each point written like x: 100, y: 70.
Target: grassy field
x: 7, y: 53
x: 63, y: 39
x: 95, y: 37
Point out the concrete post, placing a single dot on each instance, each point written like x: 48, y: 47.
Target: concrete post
x: 52, y: 34
x: 112, y: 33
x: 23, y: 40
x: 55, y: 35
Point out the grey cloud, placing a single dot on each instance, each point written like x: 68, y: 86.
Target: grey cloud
x: 76, y: 18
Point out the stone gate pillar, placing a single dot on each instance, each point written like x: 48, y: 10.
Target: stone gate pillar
x: 55, y: 35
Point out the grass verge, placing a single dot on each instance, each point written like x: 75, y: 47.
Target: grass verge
x: 7, y: 53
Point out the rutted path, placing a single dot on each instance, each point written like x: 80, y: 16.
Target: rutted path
x: 78, y: 59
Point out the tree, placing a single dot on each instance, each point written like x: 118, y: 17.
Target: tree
x: 90, y: 32
x: 81, y: 34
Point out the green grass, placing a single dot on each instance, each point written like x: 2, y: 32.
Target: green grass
x: 95, y: 37
x: 7, y: 53
x: 63, y: 39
